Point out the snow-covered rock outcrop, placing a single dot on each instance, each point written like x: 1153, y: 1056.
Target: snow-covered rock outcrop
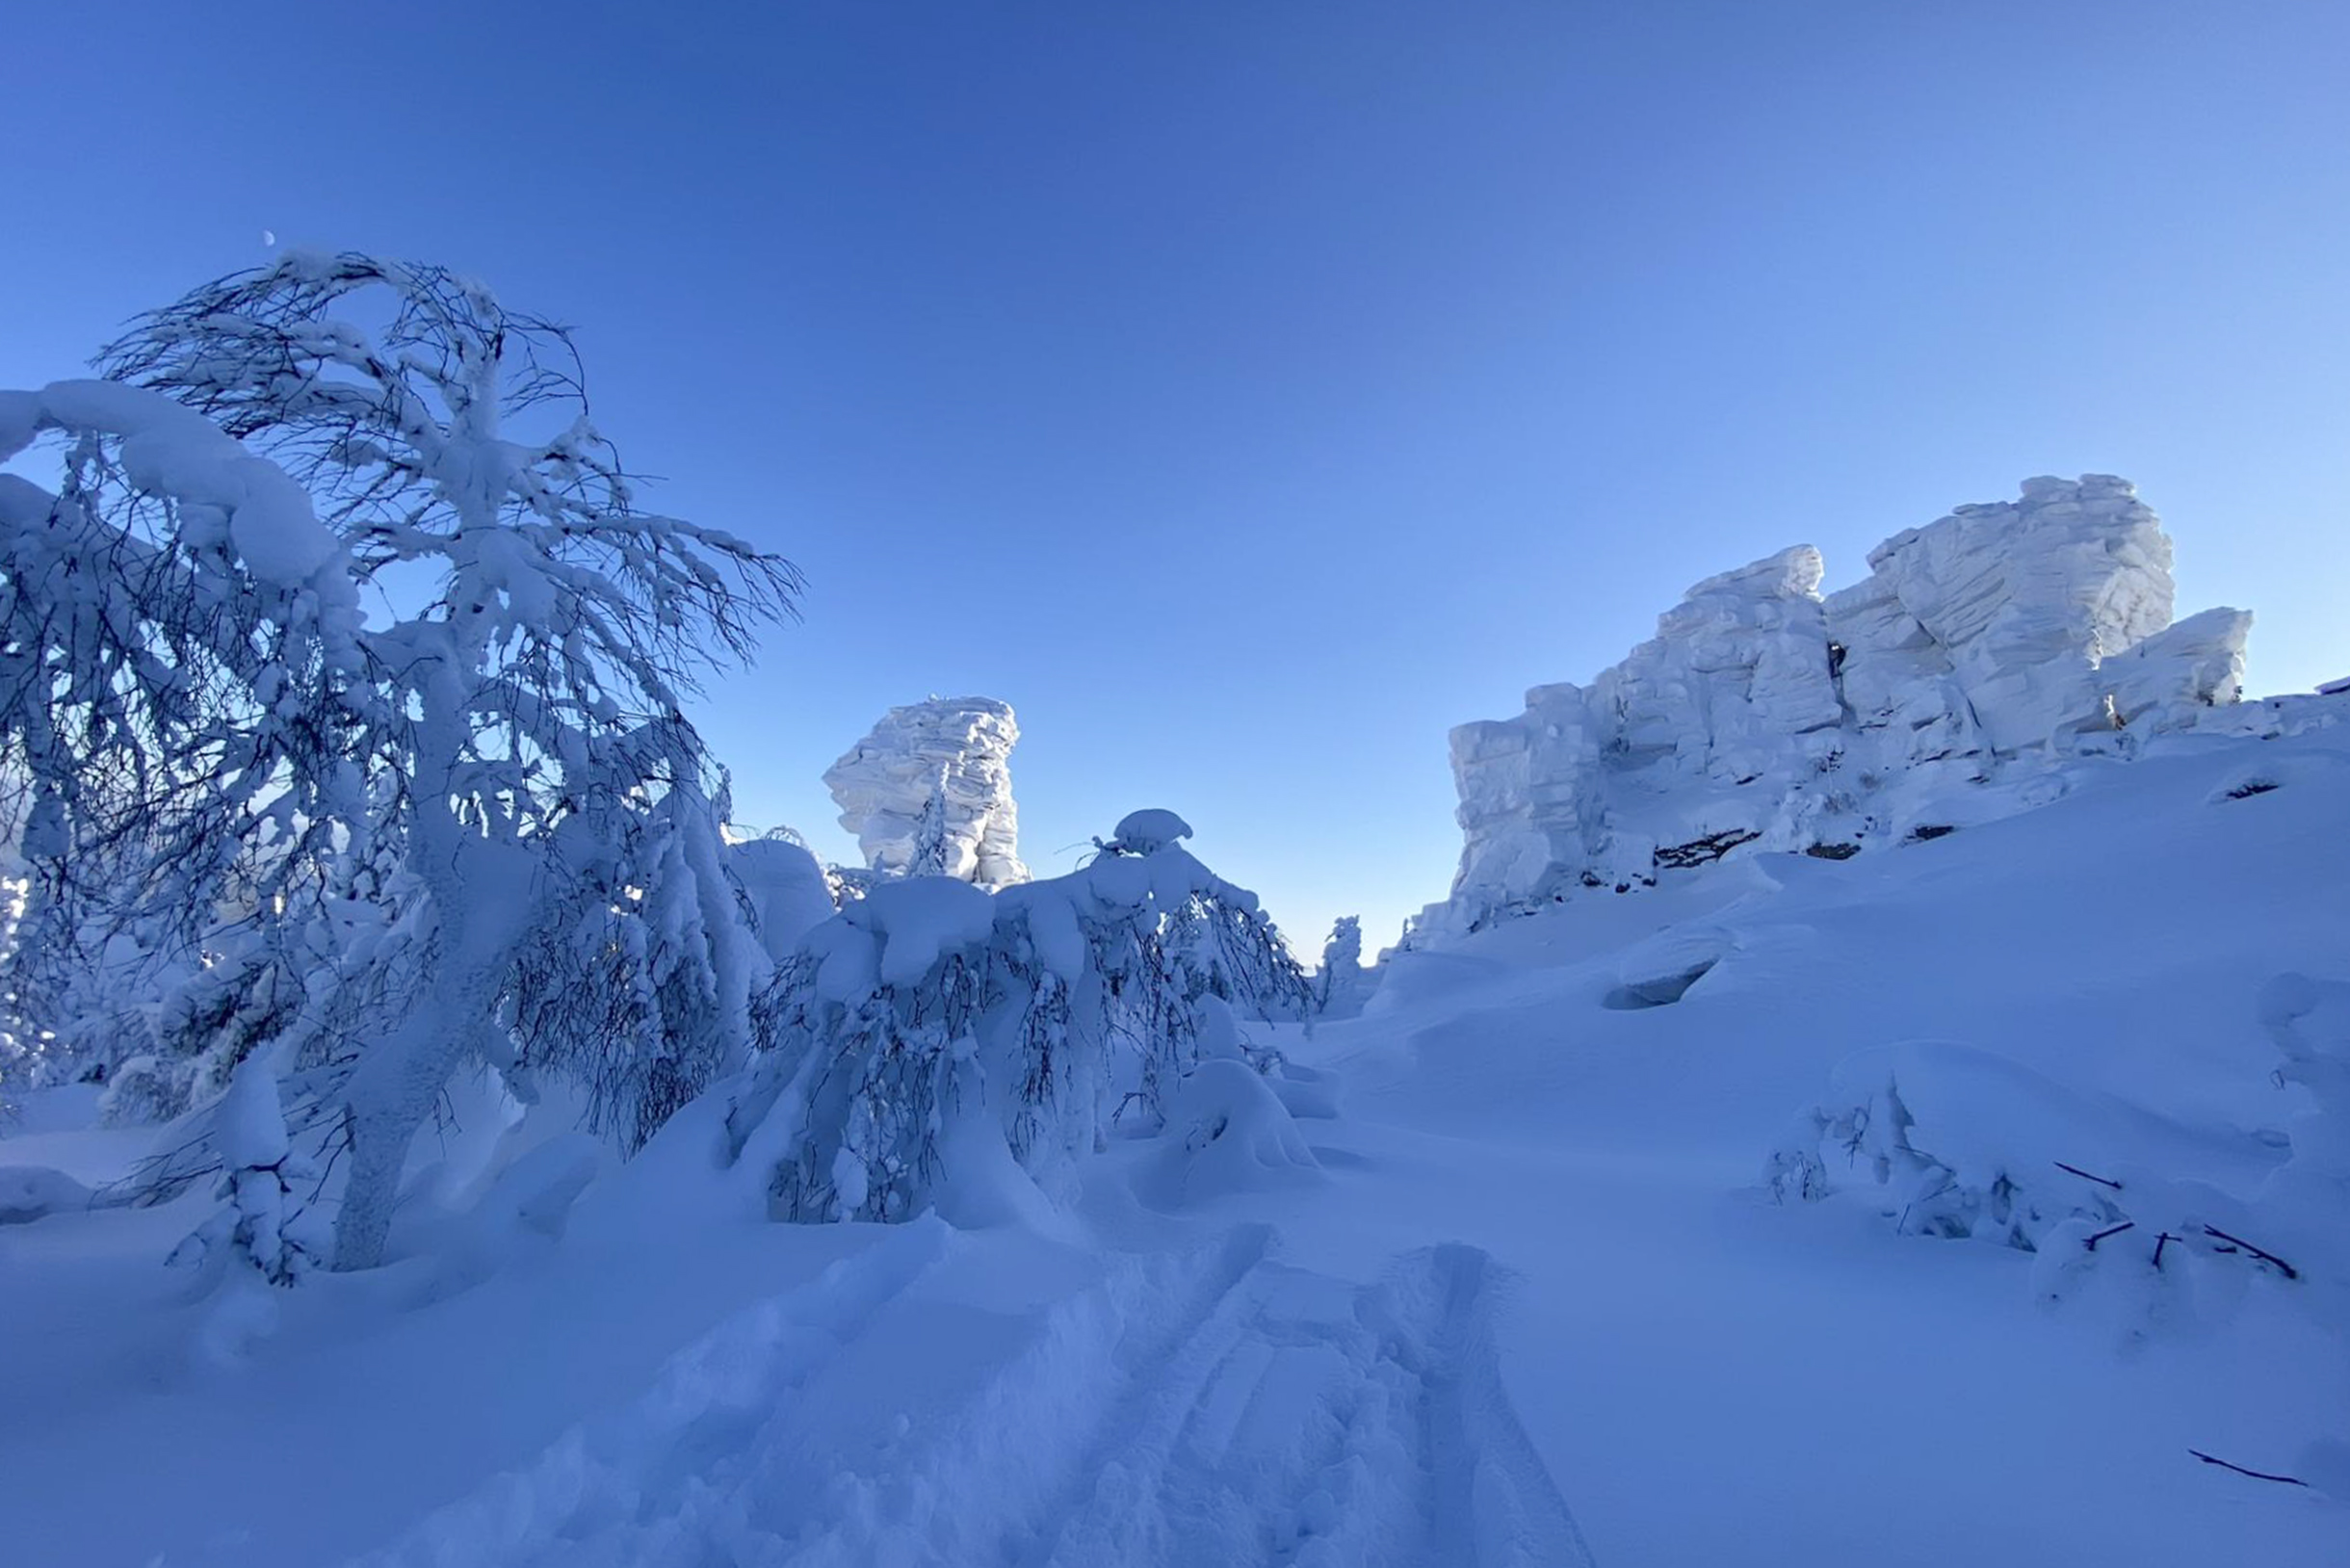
x: 1990, y: 645
x: 956, y: 751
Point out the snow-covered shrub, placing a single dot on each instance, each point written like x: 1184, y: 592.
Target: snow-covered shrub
x: 1959, y: 1175
x: 209, y: 1017
x: 2304, y: 1202
x: 1044, y: 1012
x: 22, y: 1057
x: 1953, y: 1141
x: 2310, y: 1020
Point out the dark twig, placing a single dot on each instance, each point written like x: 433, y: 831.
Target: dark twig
x: 2090, y: 1243
x: 2283, y: 1267
x: 2102, y: 1181
x: 2255, y: 1474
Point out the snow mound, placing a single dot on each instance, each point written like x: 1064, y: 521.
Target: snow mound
x: 918, y: 920
x: 786, y: 888
x: 2321, y: 769
x: 949, y: 756
x: 2004, y: 638
x: 1227, y: 1132
x: 30, y: 1192
x: 1660, y: 971
x: 1147, y: 831
x: 2309, y: 1021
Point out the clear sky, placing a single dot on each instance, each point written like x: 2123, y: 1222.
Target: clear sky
x: 1249, y: 392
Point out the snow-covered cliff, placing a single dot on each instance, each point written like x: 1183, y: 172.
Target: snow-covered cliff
x: 955, y: 751
x: 1980, y: 651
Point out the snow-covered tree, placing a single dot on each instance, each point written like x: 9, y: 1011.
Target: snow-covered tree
x: 644, y: 995
x: 933, y: 849
x: 930, y: 1011
x: 25, y: 1059
x: 182, y: 681
x: 497, y: 756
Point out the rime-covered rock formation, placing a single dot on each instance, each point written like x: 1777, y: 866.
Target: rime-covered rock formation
x: 956, y: 749
x: 1980, y: 651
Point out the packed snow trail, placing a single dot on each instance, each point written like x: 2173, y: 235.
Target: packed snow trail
x: 1183, y: 1408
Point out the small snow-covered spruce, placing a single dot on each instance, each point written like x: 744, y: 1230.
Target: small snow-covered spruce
x: 267, y: 1225
x: 930, y: 1014
x: 932, y: 849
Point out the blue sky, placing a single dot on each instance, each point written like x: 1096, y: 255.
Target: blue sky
x: 1248, y: 393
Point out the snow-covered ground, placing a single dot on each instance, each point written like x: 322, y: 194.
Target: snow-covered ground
x: 1525, y: 1298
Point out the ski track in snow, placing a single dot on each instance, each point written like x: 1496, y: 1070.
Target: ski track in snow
x: 1205, y: 1407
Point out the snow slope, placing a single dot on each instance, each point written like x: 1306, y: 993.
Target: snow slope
x: 1531, y: 1299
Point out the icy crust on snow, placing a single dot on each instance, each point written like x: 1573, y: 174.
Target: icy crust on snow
x: 2000, y: 640
x: 958, y: 748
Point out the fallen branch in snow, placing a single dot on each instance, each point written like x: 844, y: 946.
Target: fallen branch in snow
x: 2102, y: 1181
x: 2089, y: 1244
x: 2255, y: 1474
x: 2235, y: 1242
